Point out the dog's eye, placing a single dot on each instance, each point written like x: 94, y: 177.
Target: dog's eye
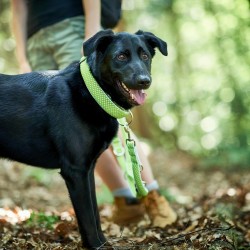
x: 122, y: 57
x: 144, y: 56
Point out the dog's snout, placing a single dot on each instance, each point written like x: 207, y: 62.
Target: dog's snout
x: 144, y: 81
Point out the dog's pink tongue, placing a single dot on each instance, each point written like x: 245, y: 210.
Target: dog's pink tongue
x: 139, y: 96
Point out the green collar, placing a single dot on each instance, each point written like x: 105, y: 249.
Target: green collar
x: 98, y: 94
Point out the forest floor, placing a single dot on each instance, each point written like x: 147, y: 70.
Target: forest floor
x: 213, y: 207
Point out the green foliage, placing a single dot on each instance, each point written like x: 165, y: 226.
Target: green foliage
x: 40, y: 175
x: 42, y: 220
x: 103, y: 195
x: 168, y: 195
x: 7, y: 59
x: 226, y: 214
x: 229, y: 157
x: 200, y: 96
x: 224, y: 211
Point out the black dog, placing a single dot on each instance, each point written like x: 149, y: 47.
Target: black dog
x: 49, y: 119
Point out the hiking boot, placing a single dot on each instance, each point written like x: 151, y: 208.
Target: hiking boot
x: 158, y: 209
x: 127, y: 211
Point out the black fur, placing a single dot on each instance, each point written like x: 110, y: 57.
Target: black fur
x: 49, y: 119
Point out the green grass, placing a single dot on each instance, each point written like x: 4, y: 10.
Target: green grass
x: 42, y: 220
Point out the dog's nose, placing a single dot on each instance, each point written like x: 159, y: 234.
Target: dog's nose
x: 143, y: 81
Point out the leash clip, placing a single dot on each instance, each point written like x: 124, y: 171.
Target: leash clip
x: 129, y: 139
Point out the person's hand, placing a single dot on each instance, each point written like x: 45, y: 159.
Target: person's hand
x: 25, y: 67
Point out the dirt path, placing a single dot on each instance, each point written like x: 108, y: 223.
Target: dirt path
x: 213, y: 208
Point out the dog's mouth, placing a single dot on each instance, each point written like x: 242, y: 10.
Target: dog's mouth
x: 133, y: 96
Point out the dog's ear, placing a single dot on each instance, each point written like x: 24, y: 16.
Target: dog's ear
x: 98, y: 42
x: 153, y: 42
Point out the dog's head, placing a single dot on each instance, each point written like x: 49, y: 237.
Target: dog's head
x: 121, y: 63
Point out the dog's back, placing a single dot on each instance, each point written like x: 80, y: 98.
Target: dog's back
x: 26, y: 104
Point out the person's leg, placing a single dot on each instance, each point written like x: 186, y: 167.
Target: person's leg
x: 127, y: 209
x: 67, y: 40
x: 126, y: 212
x: 38, y: 53
x: 108, y: 169
x: 112, y: 175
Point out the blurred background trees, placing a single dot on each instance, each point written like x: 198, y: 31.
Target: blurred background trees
x: 200, y: 98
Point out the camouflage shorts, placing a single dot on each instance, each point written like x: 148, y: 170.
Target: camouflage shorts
x: 56, y: 46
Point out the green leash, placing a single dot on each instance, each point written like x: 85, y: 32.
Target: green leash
x: 129, y: 160
x: 131, y: 168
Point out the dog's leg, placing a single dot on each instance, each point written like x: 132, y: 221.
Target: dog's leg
x: 79, y: 185
x: 96, y: 211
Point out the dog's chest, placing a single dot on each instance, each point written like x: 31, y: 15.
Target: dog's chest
x: 108, y: 131
x: 104, y: 134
